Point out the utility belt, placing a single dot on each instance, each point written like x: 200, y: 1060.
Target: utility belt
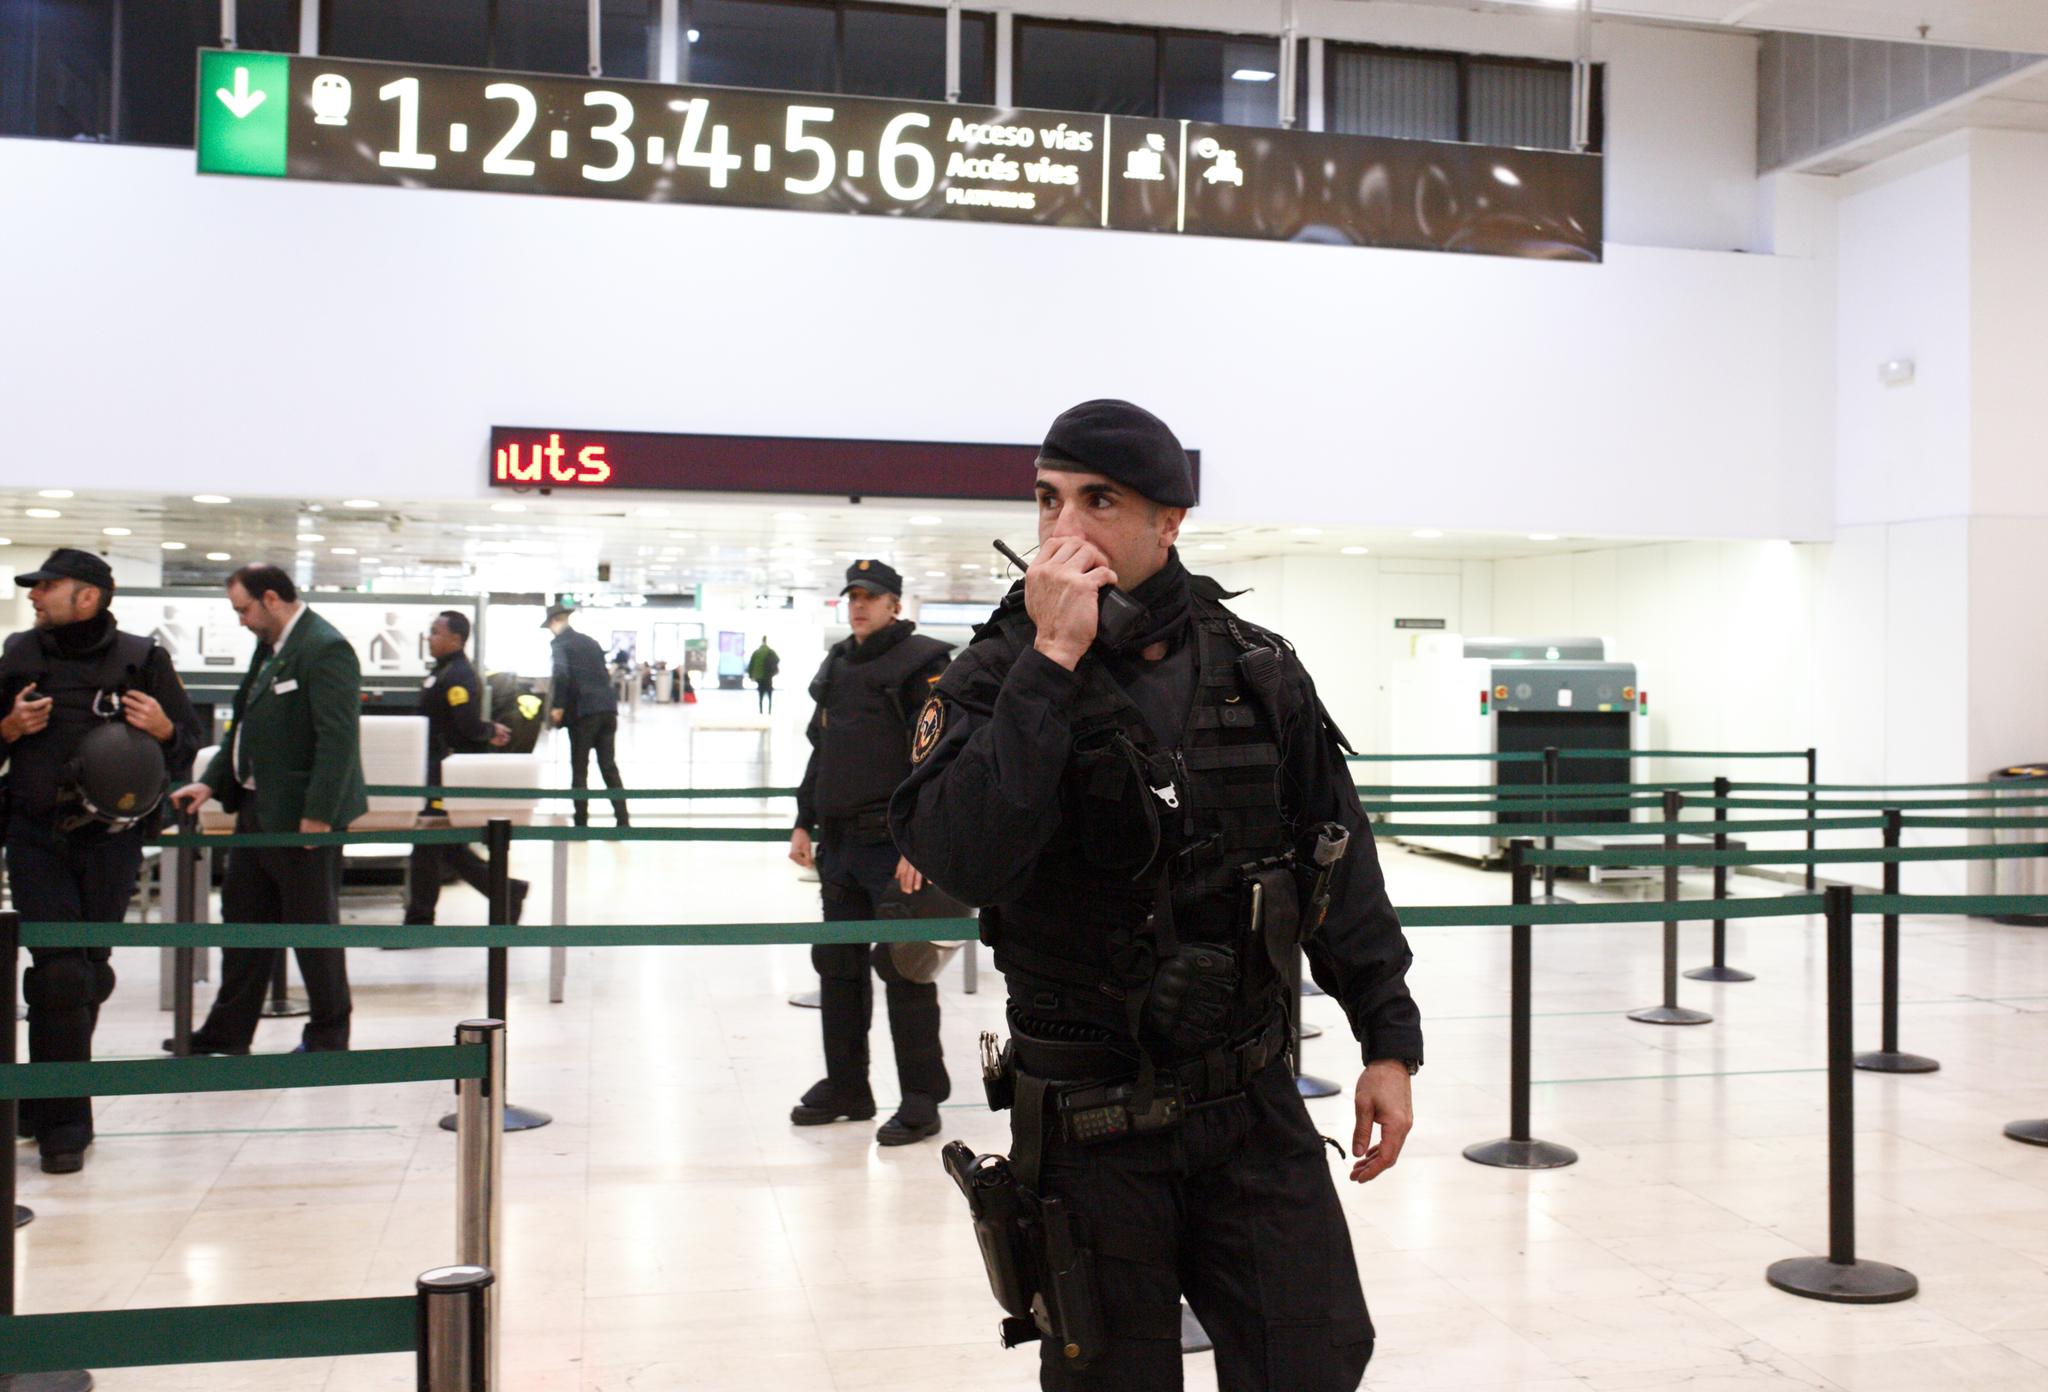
x: 865, y: 828
x: 1091, y: 1088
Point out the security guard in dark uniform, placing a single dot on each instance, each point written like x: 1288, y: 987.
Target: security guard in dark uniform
x: 452, y: 700
x: 867, y: 694
x: 76, y: 690
x: 1157, y: 821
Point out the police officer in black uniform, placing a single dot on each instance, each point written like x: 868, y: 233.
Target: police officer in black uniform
x: 72, y: 853
x: 868, y: 694
x: 581, y: 701
x: 1156, y: 826
x: 452, y: 700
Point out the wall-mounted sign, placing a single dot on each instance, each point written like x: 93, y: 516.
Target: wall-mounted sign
x: 342, y: 120
x: 582, y: 460
x: 1430, y: 624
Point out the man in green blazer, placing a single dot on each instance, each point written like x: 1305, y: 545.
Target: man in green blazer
x: 292, y: 762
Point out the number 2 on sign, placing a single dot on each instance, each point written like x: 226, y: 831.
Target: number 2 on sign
x: 718, y: 161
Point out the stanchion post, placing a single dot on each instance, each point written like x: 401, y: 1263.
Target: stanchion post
x: 498, y: 890
x: 455, y: 1330
x: 1812, y: 811
x: 1840, y: 1277
x: 182, y: 957
x: 1518, y: 1150
x: 479, y: 1149
x: 1549, y: 841
x: 1669, y: 1011
x: 1720, y: 970
x: 1307, y: 1084
x: 1888, y: 1058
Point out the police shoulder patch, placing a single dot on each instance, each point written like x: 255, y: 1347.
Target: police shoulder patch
x: 458, y: 695
x: 931, y: 723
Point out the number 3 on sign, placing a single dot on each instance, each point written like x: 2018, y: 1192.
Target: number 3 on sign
x: 718, y: 161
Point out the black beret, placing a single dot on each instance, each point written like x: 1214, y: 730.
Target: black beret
x: 1122, y: 442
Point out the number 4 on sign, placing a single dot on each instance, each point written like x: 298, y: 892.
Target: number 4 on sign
x: 718, y: 161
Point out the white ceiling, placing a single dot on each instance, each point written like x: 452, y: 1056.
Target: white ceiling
x: 654, y: 543
x: 2020, y: 25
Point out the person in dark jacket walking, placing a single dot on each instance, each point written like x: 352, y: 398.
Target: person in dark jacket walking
x: 73, y: 673
x: 581, y: 701
x: 868, y: 693
x: 452, y: 700
x: 762, y: 668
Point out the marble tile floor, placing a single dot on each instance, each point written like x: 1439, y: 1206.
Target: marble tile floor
x: 671, y: 1230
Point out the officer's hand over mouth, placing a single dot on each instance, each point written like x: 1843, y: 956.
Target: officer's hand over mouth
x: 1061, y: 593
x: 800, y: 848
x: 30, y: 714
x: 190, y: 798
x: 141, y: 710
x: 1385, y: 1095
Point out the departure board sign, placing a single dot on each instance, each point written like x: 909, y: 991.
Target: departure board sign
x: 346, y: 121
x: 585, y: 460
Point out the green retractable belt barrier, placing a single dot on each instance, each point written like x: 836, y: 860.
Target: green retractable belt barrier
x: 209, y: 1334
x: 1658, y: 828
x: 254, y: 1073
x: 570, y: 794
x: 1703, y: 857
x: 450, y: 935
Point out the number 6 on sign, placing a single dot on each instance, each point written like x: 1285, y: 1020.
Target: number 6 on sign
x: 719, y: 161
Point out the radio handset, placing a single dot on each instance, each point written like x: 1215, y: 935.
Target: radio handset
x: 1118, y: 620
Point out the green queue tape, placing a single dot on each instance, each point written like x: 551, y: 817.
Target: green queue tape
x: 1535, y: 789
x: 409, y: 836
x: 1875, y: 804
x: 47, y: 934
x: 1648, y: 911
x: 251, y: 1073
x: 1630, y: 856
x: 1974, y: 823
x: 569, y: 794
x: 208, y: 1334
x: 1681, y: 754
x: 2008, y: 784
x: 1969, y: 905
x: 1534, y: 803
x: 778, y: 835
x: 1537, y: 830
x: 1508, y: 758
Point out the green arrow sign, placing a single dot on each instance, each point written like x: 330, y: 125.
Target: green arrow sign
x: 244, y: 109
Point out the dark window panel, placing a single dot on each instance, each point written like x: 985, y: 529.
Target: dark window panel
x: 1409, y: 96
x: 977, y: 60
x: 541, y: 36
x: 1199, y: 82
x: 56, y: 68
x: 1075, y: 67
x: 751, y: 43
x: 894, y: 53
x: 630, y: 38
x: 1519, y: 104
x: 454, y: 32
x: 267, y: 26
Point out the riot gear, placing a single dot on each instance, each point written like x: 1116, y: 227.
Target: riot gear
x: 115, y: 780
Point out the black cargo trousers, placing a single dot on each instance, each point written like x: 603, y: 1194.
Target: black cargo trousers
x: 1237, y: 1210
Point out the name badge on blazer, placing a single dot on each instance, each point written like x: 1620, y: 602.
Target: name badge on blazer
x: 285, y: 687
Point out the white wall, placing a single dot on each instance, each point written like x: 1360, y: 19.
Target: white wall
x: 258, y: 334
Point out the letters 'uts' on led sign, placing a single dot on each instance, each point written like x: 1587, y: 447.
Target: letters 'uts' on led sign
x: 341, y: 120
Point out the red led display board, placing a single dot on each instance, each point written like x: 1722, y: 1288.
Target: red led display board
x: 547, y: 457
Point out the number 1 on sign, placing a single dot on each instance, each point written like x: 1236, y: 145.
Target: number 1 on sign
x: 406, y: 92
x: 718, y: 161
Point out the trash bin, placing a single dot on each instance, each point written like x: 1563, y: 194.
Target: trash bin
x: 2028, y: 875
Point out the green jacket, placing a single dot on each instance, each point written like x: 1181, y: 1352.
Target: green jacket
x: 303, y: 743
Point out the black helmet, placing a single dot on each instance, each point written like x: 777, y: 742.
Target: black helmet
x: 115, y: 779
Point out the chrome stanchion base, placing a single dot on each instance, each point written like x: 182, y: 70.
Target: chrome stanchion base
x: 1193, y: 1338
x: 1878, y: 1061
x: 77, y: 1380
x: 1719, y: 974
x: 1857, y: 1283
x: 1551, y: 899
x: 516, y: 1119
x: 1510, y: 1154
x: 805, y: 1000
x: 23, y: 1215
x: 2029, y: 1132
x: 1308, y: 1085
x: 291, y: 1007
x: 1309, y: 987
x: 1309, y: 1031
x: 1670, y: 1015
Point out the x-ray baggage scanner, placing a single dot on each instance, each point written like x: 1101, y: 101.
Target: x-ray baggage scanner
x: 1459, y: 695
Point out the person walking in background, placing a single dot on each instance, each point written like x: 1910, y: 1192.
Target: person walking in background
x: 292, y: 762
x: 582, y: 702
x: 761, y: 669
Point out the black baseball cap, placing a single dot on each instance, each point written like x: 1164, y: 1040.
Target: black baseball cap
x: 556, y: 611
x: 876, y: 577
x: 69, y: 563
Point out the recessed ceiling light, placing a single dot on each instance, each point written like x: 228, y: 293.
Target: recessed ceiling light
x: 372, y: 560
x: 936, y: 574
x: 316, y: 507
x: 1354, y: 551
x: 970, y: 565
x: 42, y: 512
x: 1308, y: 531
x: 881, y: 541
x: 1543, y: 536
x: 1214, y: 546
x: 115, y: 531
x: 311, y: 536
x: 924, y: 519
x: 342, y: 550
x: 218, y: 556
x: 360, y: 503
x: 650, y: 510
x: 508, y: 507
x: 791, y: 517
x: 6, y: 541
x: 54, y: 493
x: 1425, y: 534
x: 172, y: 545
x: 1252, y: 75
x: 211, y: 499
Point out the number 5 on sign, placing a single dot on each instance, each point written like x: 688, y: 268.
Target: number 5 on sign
x: 718, y: 161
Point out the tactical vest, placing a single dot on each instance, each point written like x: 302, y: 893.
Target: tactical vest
x: 863, y: 728
x: 1144, y: 827
x: 81, y: 690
